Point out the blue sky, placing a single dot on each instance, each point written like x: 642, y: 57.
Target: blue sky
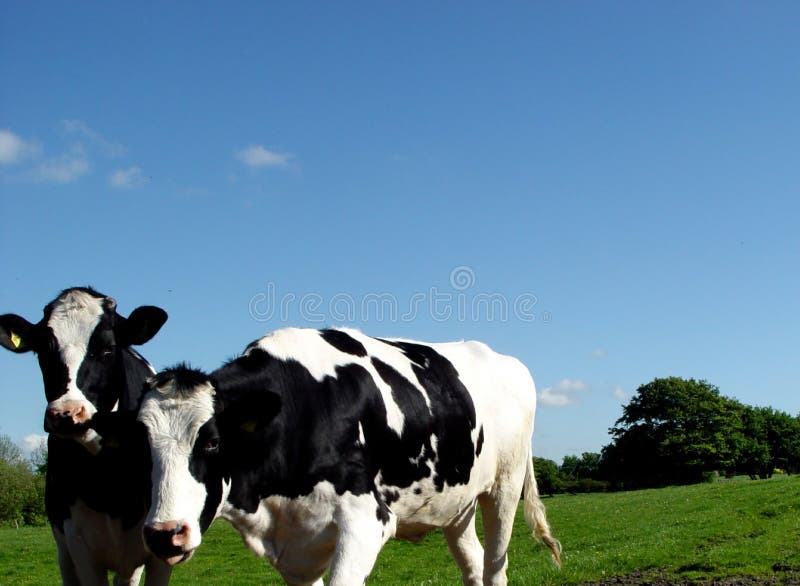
x: 607, y: 190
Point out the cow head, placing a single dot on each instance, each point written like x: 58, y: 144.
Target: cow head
x: 193, y: 436
x: 82, y: 346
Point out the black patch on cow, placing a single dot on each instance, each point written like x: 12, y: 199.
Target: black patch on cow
x: 390, y: 496
x: 102, y: 366
x: 206, y: 466
x: 343, y: 342
x: 115, y: 482
x: 403, y: 459
x: 313, y: 436
x: 54, y: 371
x: 479, y: 443
x: 453, y: 412
x: 382, y: 512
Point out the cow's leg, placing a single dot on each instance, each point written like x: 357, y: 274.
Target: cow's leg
x: 65, y: 565
x: 156, y: 572
x: 88, y: 571
x: 132, y: 580
x: 498, y: 509
x: 364, y: 524
x: 466, y: 548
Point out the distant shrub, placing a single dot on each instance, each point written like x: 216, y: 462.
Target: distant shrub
x: 585, y: 485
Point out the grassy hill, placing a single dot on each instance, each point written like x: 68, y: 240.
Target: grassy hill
x: 730, y: 528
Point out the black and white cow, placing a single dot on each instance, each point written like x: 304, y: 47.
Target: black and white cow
x: 320, y: 445
x: 96, y: 495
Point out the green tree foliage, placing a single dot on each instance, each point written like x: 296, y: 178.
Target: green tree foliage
x: 21, y: 488
x: 585, y: 467
x: 581, y: 474
x: 547, y: 476
x: 677, y: 431
x: 771, y: 440
x: 671, y: 432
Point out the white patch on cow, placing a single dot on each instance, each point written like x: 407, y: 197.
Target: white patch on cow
x: 361, y: 439
x: 172, y: 420
x: 73, y: 320
x: 321, y: 359
x: 91, y: 440
x: 299, y: 535
x: 308, y: 348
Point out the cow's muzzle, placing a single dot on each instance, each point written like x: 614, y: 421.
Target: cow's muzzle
x: 69, y: 419
x: 168, y: 541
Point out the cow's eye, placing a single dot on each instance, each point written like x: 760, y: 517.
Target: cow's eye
x: 212, y: 446
x: 105, y: 354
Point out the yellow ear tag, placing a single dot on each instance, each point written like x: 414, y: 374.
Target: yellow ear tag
x: 15, y: 339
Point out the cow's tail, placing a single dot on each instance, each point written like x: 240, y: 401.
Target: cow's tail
x: 535, y: 515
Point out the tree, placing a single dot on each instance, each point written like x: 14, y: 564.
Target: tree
x: 9, y: 451
x: 585, y: 467
x: 672, y: 431
x: 754, y: 454
x: 21, y: 491
x: 782, y: 437
x: 547, y: 476
x: 38, y: 458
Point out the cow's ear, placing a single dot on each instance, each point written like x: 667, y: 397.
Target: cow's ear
x: 141, y: 325
x: 250, y: 413
x: 16, y: 333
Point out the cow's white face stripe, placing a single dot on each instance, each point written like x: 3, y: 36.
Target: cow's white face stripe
x: 73, y: 320
x: 172, y: 423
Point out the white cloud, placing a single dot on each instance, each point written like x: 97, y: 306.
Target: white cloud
x: 563, y: 393
x: 32, y: 442
x: 14, y: 149
x: 73, y: 160
x: 81, y: 129
x: 127, y: 178
x: 64, y: 168
x: 621, y: 394
x: 258, y: 156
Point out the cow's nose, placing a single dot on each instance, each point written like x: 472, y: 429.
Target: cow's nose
x: 67, y: 420
x: 74, y: 410
x: 168, y: 540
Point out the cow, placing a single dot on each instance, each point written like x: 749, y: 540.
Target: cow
x: 320, y: 445
x: 96, y: 494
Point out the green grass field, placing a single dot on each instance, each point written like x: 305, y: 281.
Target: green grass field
x: 735, y: 528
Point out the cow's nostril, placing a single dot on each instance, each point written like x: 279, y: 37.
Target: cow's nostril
x: 168, y: 540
